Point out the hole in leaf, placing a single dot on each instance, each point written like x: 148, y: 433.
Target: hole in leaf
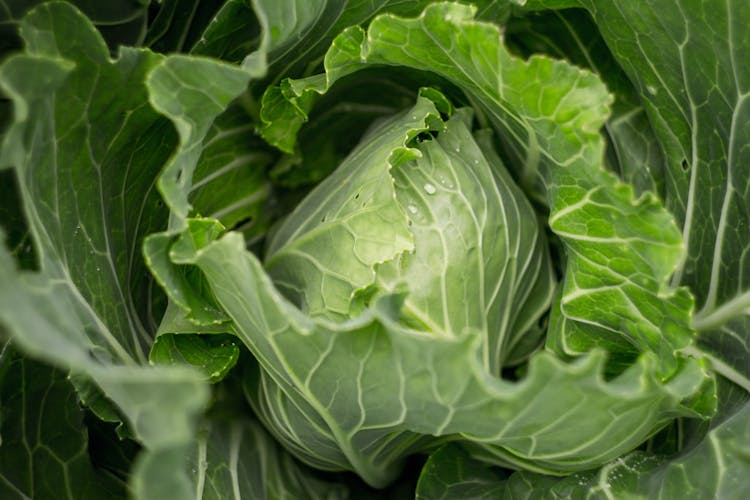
x: 423, y: 137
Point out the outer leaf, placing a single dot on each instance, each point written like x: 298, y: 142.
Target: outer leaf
x: 230, y: 181
x: 688, y: 74
x: 192, y: 92
x: 306, y: 390
x: 318, y: 22
x: 121, y: 21
x: 12, y: 221
x: 83, y: 239
x: 233, y: 33
x: 304, y: 29
x: 714, y: 469
x: 280, y: 121
x: 44, y: 451
x: 451, y: 473
x: 238, y: 459
x: 179, y: 24
x: 633, y: 151
x: 177, y: 89
x: 86, y: 155
x: 341, y: 118
x: 691, y: 74
x: 214, y: 355
x: 717, y: 468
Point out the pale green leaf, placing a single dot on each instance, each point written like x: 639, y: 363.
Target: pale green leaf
x: 305, y: 391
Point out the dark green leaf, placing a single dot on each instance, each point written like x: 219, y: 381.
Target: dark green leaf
x: 44, y: 452
x: 451, y: 473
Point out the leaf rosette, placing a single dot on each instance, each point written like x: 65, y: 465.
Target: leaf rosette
x: 394, y: 295
x: 423, y: 249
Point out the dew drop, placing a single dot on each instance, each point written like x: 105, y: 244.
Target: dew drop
x: 429, y: 188
x: 446, y: 182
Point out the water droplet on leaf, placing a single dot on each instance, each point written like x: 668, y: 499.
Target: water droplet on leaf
x: 446, y: 182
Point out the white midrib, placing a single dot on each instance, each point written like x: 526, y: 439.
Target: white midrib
x: 201, y: 467
x: 714, y: 318
x: 719, y: 366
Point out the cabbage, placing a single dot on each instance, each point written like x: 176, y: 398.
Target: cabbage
x: 307, y: 249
